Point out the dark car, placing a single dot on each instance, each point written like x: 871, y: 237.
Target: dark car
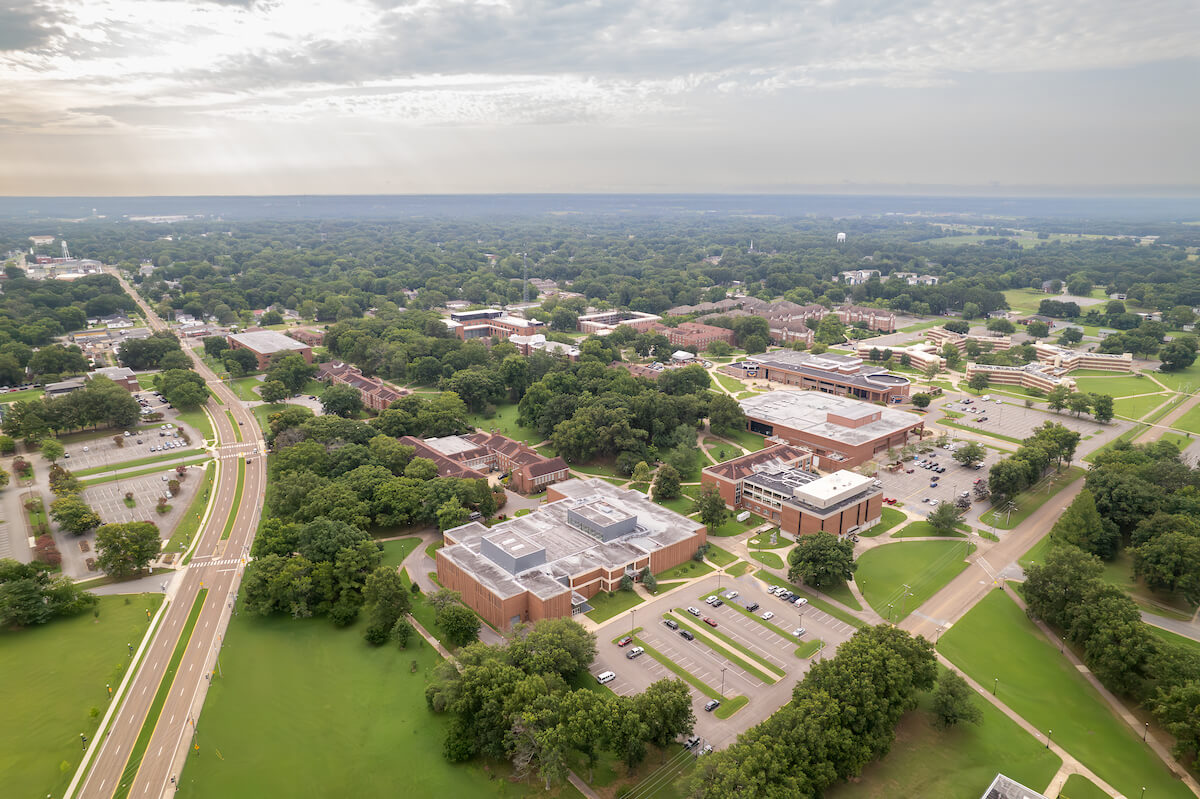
x: 718, y: 603
x: 687, y: 634
x: 674, y: 625
x: 626, y: 641
x: 691, y: 743
x: 711, y: 705
x: 753, y: 606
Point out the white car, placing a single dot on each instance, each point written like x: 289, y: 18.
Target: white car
x: 799, y: 631
x: 800, y: 602
x: 708, y: 600
x: 731, y: 594
x: 694, y: 611
x: 768, y: 616
x: 772, y: 590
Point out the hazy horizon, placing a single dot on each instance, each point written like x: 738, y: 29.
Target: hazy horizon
x: 348, y: 97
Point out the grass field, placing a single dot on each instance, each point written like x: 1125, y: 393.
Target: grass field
x: 767, y: 558
x: 198, y: 421
x: 309, y: 678
x: 925, y: 566
x: 1043, y: 687
x: 1184, y: 380
x: 190, y: 523
x: 1114, y: 386
x: 733, y: 527
x: 261, y: 412
x: 960, y: 762
x: 1080, y: 787
x: 919, y: 326
x: 1029, y: 501
x: 718, y: 556
x: 684, y: 571
x: 505, y: 422
x: 1027, y: 300
x: 21, y: 396
x: 842, y: 593
x: 736, y: 570
x: 394, y: 552
x: 243, y: 388
x: 55, y: 677
x: 1190, y: 421
x: 751, y: 441
x: 888, y: 519
x: 604, y: 606
x: 1137, y: 407
x: 731, y: 384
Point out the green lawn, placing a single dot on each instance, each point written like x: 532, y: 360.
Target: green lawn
x: 55, y: 677
x: 888, y: 519
x: 186, y: 529
x: 736, y: 570
x: 926, y: 761
x: 720, y: 557
x: 261, y: 412
x: 1029, y: 501
x: 505, y: 422
x: 1037, y: 552
x: 925, y: 566
x: 310, y: 678
x: 20, y: 396
x: 763, y: 541
x: 1119, y: 572
x: 112, y: 478
x: 680, y: 504
x: 1137, y: 407
x: 1020, y: 300
x: 730, y: 384
x: 1190, y: 421
x: 751, y: 441
x: 604, y: 607
x: 684, y: 571
x: 394, y: 552
x: 767, y: 558
x: 198, y: 421
x: 733, y: 527
x: 842, y: 593
x: 1037, y: 682
x: 243, y: 388
x: 1173, y: 638
x: 1184, y: 380
x: 810, y: 648
x: 919, y: 326
x: 924, y: 529
x: 237, y: 498
x: 1113, y: 385
x: 1080, y: 787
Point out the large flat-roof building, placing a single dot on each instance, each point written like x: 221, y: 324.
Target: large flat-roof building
x: 1032, y: 375
x: 941, y: 336
x: 920, y: 356
x: 604, y: 322
x: 471, y: 455
x: 1063, y: 360
x: 694, y: 336
x: 489, y: 323
x: 265, y: 343
x: 123, y: 376
x: 843, y: 375
x: 527, y: 345
x: 547, y: 564
x: 841, y: 431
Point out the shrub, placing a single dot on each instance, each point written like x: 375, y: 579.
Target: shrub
x: 46, y: 551
x: 119, y: 440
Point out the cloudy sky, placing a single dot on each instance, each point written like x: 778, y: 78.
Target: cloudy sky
x: 386, y: 96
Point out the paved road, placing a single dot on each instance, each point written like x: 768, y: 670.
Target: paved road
x: 216, y: 565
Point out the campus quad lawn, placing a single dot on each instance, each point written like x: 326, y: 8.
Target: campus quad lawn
x: 733, y: 527
x: 925, y: 566
x: 1124, y: 386
x: 243, y: 388
x: 1030, y: 500
x: 1037, y: 682
x: 1137, y: 407
x: 1188, y: 378
x: 55, y: 674
x: 264, y: 412
x: 719, y: 556
x: 842, y: 593
x: 505, y: 422
x: 961, y: 761
x: 1080, y: 787
x: 751, y: 441
x: 604, y: 606
x: 888, y: 519
x: 925, y: 530
x: 307, y: 709
x: 731, y: 384
x: 1190, y: 421
x: 767, y: 558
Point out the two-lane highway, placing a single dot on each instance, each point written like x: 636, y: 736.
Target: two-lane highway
x: 217, y: 565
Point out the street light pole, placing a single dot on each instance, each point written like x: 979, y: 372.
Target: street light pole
x: 1146, y: 733
x: 1048, y: 734
x: 995, y: 685
x: 723, y: 681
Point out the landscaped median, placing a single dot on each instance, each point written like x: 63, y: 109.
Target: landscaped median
x: 166, y: 456
x: 109, y: 478
x: 681, y: 672
x: 775, y: 628
x: 816, y: 602
x: 764, y: 671
x: 810, y: 648
x: 237, y: 499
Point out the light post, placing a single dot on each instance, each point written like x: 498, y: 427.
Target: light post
x: 632, y: 614
x: 130, y: 649
x: 108, y: 687
x: 723, y: 681
x: 1048, y: 734
x: 1145, y: 734
x: 1143, y: 796
x: 889, y: 613
x: 995, y: 685
x: 83, y: 740
x: 1062, y: 643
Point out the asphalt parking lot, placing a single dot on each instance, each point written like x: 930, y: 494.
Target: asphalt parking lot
x: 911, y: 489
x: 104, y: 452
x: 1011, y: 418
x: 705, y: 664
x: 108, y: 499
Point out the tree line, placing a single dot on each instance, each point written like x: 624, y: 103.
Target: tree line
x: 1050, y: 444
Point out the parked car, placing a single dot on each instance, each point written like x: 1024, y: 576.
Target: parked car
x: 731, y: 594
x: 768, y: 616
x: 687, y: 634
x: 694, y: 611
x: 753, y: 606
x: 799, y: 631
x: 710, y: 621
x: 674, y: 625
x: 708, y: 600
x: 691, y: 743
x: 800, y: 602
x: 626, y: 641
x: 637, y: 651
x: 718, y: 603
x: 711, y: 705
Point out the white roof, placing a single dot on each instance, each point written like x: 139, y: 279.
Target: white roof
x: 267, y: 341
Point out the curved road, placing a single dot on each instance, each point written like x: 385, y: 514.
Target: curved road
x: 217, y: 565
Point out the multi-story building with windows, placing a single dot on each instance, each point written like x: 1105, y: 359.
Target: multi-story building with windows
x: 842, y: 375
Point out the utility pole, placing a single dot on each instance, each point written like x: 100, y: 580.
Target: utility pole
x: 525, y: 277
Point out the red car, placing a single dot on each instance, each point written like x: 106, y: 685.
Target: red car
x: 710, y: 622
x: 626, y: 641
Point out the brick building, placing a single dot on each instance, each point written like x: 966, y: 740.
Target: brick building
x: 605, y: 322
x: 694, y: 336
x: 376, y: 394
x: 313, y: 338
x: 265, y: 343
x: 489, y: 323
x: 843, y: 375
x: 1063, y: 360
x: 778, y: 484
x: 941, y: 336
x: 123, y: 376
x: 587, y: 536
x: 472, y: 455
x: 840, y: 431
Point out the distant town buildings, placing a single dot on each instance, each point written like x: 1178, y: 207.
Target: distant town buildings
x: 790, y: 321
x: 842, y: 432
x: 857, y: 277
x: 913, y: 279
x: 121, y: 375
x: 583, y: 541
x: 265, y: 343
x: 527, y: 345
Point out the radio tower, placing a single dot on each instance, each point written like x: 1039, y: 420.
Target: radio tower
x: 524, y: 279
x: 66, y: 252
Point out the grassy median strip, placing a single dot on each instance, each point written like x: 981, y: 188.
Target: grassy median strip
x: 109, y: 478
x: 769, y: 625
x: 166, y: 456
x: 160, y: 699
x: 727, y: 709
x: 190, y: 522
x: 816, y: 602
x: 741, y: 647
x: 980, y: 430
x: 237, y: 499
x: 237, y: 431
x: 710, y: 637
x: 683, y: 673
x: 810, y: 648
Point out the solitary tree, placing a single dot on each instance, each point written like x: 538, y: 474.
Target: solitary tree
x: 459, y: 623
x: 641, y: 472
x: 73, y: 515
x: 953, y: 701
x: 921, y: 400
x: 944, y: 518
x: 127, y: 548
x: 970, y: 454
x: 978, y: 382
x: 666, y: 482
x: 341, y: 400
x: 711, y: 508
x: 52, y: 450
x: 821, y: 559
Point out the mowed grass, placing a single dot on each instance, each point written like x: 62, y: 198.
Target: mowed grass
x: 355, y: 718
x: 604, y: 606
x: 394, y: 552
x: 960, y: 761
x: 1030, y: 500
x: 243, y: 388
x: 1190, y: 421
x: 1184, y: 380
x: 504, y: 422
x: 731, y: 384
x: 54, y: 676
x: 889, y: 518
x: 924, y: 529
x: 995, y: 640
x: 751, y: 441
x: 1116, y: 386
x: 198, y: 421
x: 1080, y: 787
x: 924, y: 566
x: 1137, y: 407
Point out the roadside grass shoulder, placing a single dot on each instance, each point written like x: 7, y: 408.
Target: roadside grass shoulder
x: 237, y: 501
x: 394, y: 552
x: 190, y: 522
x: 1041, y: 685
x: 1030, y: 500
x: 166, y: 456
x: 905, y: 575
